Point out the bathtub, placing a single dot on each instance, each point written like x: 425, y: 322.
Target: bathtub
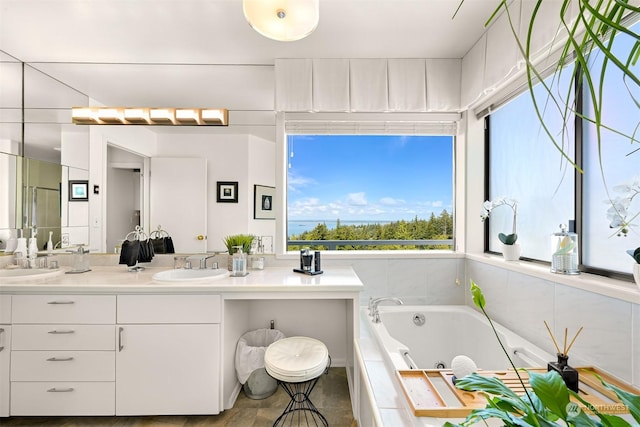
x: 427, y: 337
x: 397, y: 343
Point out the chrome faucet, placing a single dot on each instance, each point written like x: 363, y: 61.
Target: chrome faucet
x: 373, y: 306
x: 203, y: 262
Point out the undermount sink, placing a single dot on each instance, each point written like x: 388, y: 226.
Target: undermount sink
x: 186, y: 275
x: 14, y: 274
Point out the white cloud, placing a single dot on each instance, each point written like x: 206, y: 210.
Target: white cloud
x: 390, y: 201
x: 437, y: 204
x: 305, y: 207
x: 294, y: 182
x: 357, y: 199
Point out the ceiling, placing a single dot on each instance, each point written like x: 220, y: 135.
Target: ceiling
x: 203, y: 53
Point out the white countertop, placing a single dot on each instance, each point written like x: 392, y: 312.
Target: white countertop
x: 117, y: 279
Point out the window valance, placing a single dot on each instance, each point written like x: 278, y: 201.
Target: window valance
x: 367, y: 85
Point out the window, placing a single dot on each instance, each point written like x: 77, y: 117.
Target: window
x: 524, y: 165
x: 378, y: 192
x: 602, y: 247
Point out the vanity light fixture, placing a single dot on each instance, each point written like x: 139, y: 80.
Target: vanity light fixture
x: 137, y: 115
x: 188, y: 116
x: 149, y: 116
x: 83, y: 116
x: 282, y: 20
x: 111, y: 115
x: 163, y: 116
x: 214, y: 116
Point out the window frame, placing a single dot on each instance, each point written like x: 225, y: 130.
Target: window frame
x: 579, y: 144
x: 395, y: 124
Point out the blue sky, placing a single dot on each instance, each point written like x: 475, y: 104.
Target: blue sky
x: 368, y: 177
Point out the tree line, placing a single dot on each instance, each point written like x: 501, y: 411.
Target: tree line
x: 435, y: 228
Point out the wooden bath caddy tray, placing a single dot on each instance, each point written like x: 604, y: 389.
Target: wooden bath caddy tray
x: 420, y: 388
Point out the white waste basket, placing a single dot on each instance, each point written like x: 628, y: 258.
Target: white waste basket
x: 257, y: 384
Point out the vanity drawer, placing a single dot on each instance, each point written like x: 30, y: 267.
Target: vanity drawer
x: 63, y: 337
x: 92, y: 309
x: 169, y: 309
x: 63, y: 398
x: 5, y: 309
x: 63, y: 366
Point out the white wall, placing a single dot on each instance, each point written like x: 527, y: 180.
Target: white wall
x: 241, y: 158
x: 262, y: 171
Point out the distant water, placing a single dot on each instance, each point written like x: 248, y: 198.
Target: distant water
x: 299, y: 227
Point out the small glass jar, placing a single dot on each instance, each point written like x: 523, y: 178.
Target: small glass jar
x: 564, y: 252
x: 179, y: 261
x: 257, y: 263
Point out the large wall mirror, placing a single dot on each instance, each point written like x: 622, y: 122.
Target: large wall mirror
x: 40, y: 151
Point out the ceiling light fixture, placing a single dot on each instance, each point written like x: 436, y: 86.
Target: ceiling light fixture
x: 282, y: 20
x: 149, y: 116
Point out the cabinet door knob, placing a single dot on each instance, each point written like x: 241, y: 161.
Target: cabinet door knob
x: 64, y: 331
x: 61, y: 302
x: 59, y: 359
x: 200, y: 237
x: 60, y: 390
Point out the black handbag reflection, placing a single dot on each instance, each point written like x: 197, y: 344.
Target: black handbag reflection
x: 162, y: 242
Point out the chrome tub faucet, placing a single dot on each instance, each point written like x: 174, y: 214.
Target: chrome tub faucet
x: 373, y: 306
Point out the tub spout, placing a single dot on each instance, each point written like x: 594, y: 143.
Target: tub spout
x: 373, y: 306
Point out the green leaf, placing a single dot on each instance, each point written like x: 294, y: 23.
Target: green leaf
x: 582, y: 419
x: 488, y: 413
x: 478, y: 297
x: 552, y: 391
x: 631, y: 400
x: 508, y: 239
x: 613, y: 421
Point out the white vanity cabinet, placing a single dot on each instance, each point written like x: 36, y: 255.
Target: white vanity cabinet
x: 5, y: 353
x: 63, y: 355
x: 168, y: 356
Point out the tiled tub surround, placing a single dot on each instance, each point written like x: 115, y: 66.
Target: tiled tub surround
x: 448, y: 331
x: 520, y: 296
x: 610, y: 339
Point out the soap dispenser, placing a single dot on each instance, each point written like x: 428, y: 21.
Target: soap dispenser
x: 239, y: 262
x: 50, y: 243
x: 33, y: 244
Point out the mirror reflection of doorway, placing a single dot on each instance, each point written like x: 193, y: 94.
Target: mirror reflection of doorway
x: 124, y: 194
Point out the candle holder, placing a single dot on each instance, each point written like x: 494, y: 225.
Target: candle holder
x: 569, y: 375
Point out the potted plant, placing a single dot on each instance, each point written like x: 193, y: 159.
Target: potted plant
x: 510, y: 249
x: 234, y: 241
x: 547, y: 403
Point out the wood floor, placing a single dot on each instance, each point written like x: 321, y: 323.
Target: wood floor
x: 331, y: 397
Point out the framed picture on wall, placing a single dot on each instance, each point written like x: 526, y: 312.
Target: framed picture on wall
x: 263, y: 199
x: 78, y: 191
x: 227, y: 192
